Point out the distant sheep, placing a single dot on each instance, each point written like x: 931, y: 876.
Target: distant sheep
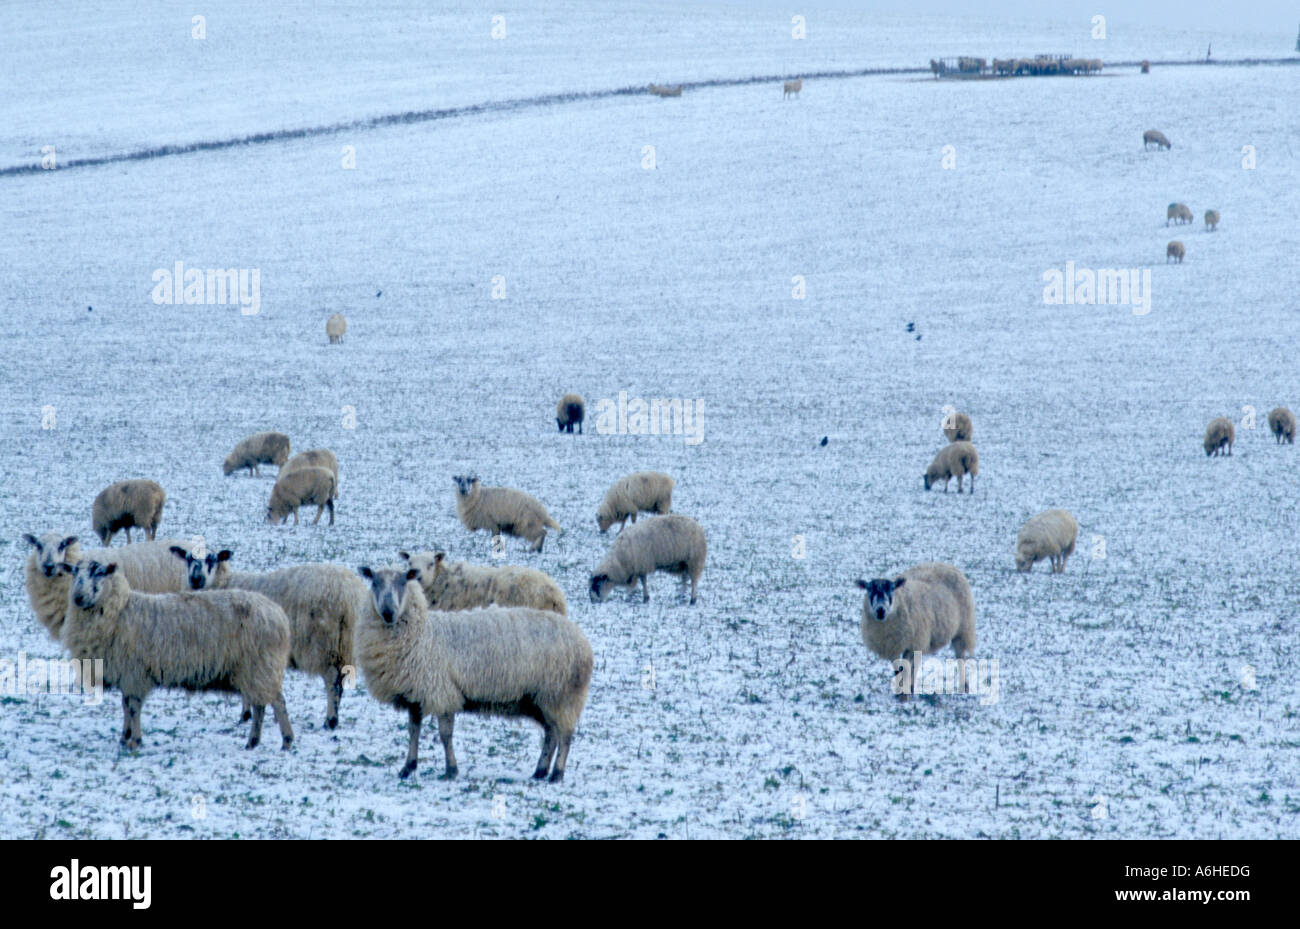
x: 502, y: 510
x: 792, y: 87
x: 1282, y: 423
x: 649, y: 491
x: 671, y: 543
x: 127, y: 504
x: 335, y: 326
x: 1219, y: 433
x: 508, y: 662
x: 232, y: 641
x: 460, y: 586
x: 1157, y: 137
x: 1176, y: 251
x: 260, y: 449
x: 303, y: 486
x: 955, y: 460
x: 927, y: 607
x: 314, y: 458
x: 1212, y: 220
x: 957, y: 427
x: 1179, y: 213
x: 1051, y: 535
x: 663, y: 91
x: 570, y: 412
x: 1146, y: 69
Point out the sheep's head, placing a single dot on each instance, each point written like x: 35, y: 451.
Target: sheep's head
x: 88, y: 581
x: 229, y: 465
x: 465, y: 485
x: 601, y: 586
x: 389, y: 590
x: 51, y: 550
x: 199, y: 570
x: 1023, y: 562
x: 880, y: 596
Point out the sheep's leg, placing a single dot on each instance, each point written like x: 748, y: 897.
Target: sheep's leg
x: 295, y: 516
x: 255, y: 735
x: 137, y: 712
x: 333, y: 694
x: 633, y: 521
x: 330, y: 505
x: 416, y: 717
x: 548, y: 749
x: 446, y: 722
x: 903, y: 687
x: 645, y: 588
x: 972, y: 484
x: 245, y: 710
x: 282, y: 720
x: 959, y: 649
x: 695, y: 586
x: 541, y: 539
x: 126, y: 719
x: 562, y: 757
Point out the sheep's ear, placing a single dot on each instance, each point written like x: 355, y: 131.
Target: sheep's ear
x: 179, y: 552
x: 365, y: 572
x: 70, y: 540
x: 405, y: 556
x: 862, y: 584
x: 412, y: 574
x: 64, y: 568
x: 898, y: 582
x: 31, y: 540
x: 224, y: 555
x: 438, y: 557
x: 110, y: 569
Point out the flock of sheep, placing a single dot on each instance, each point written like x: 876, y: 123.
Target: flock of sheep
x: 1177, y: 213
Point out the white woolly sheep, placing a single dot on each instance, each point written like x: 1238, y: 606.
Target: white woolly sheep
x: 229, y: 640
x: 570, y: 412
x: 127, y: 504
x: 502, y: 510
x: 323, y: 603
x: 1218, y: 433
x: 651, y: 491
x: 1281, y: 422
x: 1155, y: 136
x: 1211, y: 220
x: 1051, y: 534
x: 792, y: 87
x: 927, y: 607
x: 314, y: 458
x: 957, y: 427
x: 1179, y: 213
x: 335, y: 326
x: 507, y: 662
x: 661, y: 91
x: 461, y: 586
x: 299, y: 487
x: 954, y: 460
x: 1176, y: 251
x: 256, y: 450
x: 671, y: 543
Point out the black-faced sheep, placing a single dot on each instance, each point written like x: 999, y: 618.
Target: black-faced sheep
x: 507, y: 662
x: 257, y: 450
x: 502, y: 510
x: 1220, y: 433
x: 570, y: 412
x: 957, y: 428
x: 1176, y: 251
x: 1211, y: 220
x: 1281, y: 422
x: 649, y: 491
x: 335, y: 326
x: 1157, y: 137
x: 127, y: 504
x: 671, y: 543
x: 954, y: 460
x: 460, y: 586
x: 297, y: 488
x: 1051, y: 535
x: 1179, y: 213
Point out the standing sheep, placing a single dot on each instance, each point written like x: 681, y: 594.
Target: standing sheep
x: 1218, y: 433
x: 260, y: 449
x: 322, y: 601
x: 506, y: 662
x: 671, y: 543
x: 461, y: 586
x: 335, y: 326
x: 502, y: 510
x: 127, y: 504
x: 1156, y: 136
x: 1282, y: 423
x: 570, y: 412
x: 651, y: 491
x: 957, y: 427
x: 1179, y: 213
x: 231, y: 641
x: 1051, y: 534
x: 314, y: 458
x: 955, y: 460
x: 792, y: 88
x: 1176, y: 251
x: 1211, y: 220
x: 927, y: 607
x: 303, y: 486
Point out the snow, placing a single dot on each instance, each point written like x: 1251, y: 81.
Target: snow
x: 1155, y: 684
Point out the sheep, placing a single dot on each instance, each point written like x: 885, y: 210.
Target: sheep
x: 507, y: 662
x: 1179, y: 213
x: 323, y: 603
x: 314, y: 458
x: 1211, y: 220
x: 1282, y: 422
x: 304, y: 485
x: 230, y: 640
x: 260, y: 449
x: 671, y: 543
x: 1051, y: 534
x: 502, y: 510
x: 127, y: 504
x: 1146, y: 69
x: 651, y: 491
x: 1003, y: 66
x: 570, y: 412
x: 662, y: 91
x: 462, y: 586
x: 957, y: 427
x: 1175, y: 250
x: 1156, y: 136
x: 1218, y: 433
x: 927, y: 607
x: 793, y: 87
x: 954, y: 460
x: 335, y: 326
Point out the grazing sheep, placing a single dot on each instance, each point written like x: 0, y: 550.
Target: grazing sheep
x: 462, y: 586
x: 1212, y: 220
x: 260, y: 449
x: 792, y: 87
x: 1218, y: 433
x: 1282, y: 422
x: 1051, y: 534
x: 305, y: 485
x: 1176, y: 251
x: 1003, y: 66
x: 506, y: 662
x: 663, y: 91
x: 927, y: 607
x: 651, y: 491
x: 570, y: 412
x: 335, y: 326
x: 1179, y: 213
x: 955, y: 460
x: 671, y: 543
x: 127, y: 504
x: 323, y: 603
x: 1156, y: 136
x: 229, y: 640
x: 957, y: 428
x: 314, y: 458
x: 502, y: 510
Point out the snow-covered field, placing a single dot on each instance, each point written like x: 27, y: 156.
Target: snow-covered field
x: 1149, y: 691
